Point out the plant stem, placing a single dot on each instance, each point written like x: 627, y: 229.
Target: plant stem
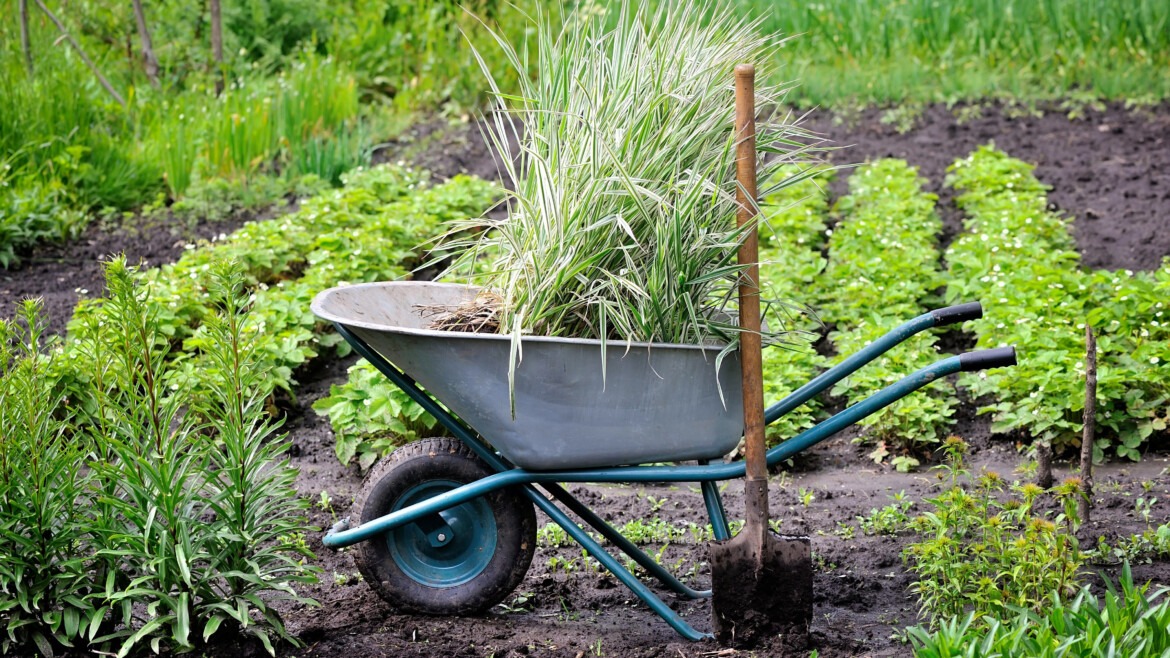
x: 1044, y: 463
x: 150, y: 62
x: 217, y: 45
x: 81, y: 53
x: 1090, y: 422
x: 25, y: 43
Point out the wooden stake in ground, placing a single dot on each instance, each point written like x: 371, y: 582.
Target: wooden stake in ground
x: 1090, y: 431
x: 217, y: 45
x: 1044, y: 464
x: 149, y: 61
x: 81, y: 53
x: 25, y: 43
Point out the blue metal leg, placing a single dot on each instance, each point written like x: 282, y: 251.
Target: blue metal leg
x: 628, y: 547
x: 465, y: 434
x: 715, y: 510
x: 628, y: 579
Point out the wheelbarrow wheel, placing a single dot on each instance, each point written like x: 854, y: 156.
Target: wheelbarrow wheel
x: 461, y: 561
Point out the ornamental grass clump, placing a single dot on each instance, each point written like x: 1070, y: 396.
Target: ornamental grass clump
x: 621, y: 154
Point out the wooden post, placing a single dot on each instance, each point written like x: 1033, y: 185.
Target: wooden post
x: 1090, y: 431
x: 1044, y: 464
x: 149, y: 61
x: 81, y: 53
x: 25, y: 41
x: 217, y: 45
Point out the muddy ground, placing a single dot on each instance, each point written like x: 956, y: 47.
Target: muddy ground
x: 1110, y: 170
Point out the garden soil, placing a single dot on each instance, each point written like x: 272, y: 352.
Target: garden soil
x: 1110, y: 170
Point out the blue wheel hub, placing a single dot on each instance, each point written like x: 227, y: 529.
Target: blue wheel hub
x: 446, y: 549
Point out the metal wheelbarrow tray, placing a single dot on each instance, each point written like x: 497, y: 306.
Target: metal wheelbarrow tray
x: 448, y: 527
x: 654, y: 402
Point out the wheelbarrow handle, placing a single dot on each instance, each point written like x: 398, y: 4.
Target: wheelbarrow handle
x: 956, y: 314
x: 929, y: 320
x: 1000, y: 357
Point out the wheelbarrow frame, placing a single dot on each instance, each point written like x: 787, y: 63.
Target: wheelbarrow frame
x: 706, y: 474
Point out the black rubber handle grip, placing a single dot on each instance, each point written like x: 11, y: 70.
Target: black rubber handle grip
x: 1000, y: 357
x: 958, y: 313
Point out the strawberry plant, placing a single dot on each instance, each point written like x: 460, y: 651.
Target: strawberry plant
x: 381, y: 248
x: 1020, y: 260
x: 865, y: 293
x: 791, y: 236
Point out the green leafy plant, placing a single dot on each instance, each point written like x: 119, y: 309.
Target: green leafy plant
x: 47, y: 572
x: 865, y: 294
x: 893, y: 519
x: 371, y: 416
x: 1020, y: 259
x: 157, y: 515
x: 1133, y: 622
x: 1151, y: 544
x: 792, y: 234
x: 198, y: 507
x: 979, y: 551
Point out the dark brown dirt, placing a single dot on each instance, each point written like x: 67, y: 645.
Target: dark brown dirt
x: 60, y: 273
x: 1113, y: 180
x: 1109, y: 170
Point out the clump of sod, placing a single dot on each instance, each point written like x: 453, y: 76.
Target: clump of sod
x: 621, y: 155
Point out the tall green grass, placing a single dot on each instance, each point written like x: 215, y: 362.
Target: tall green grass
x: 622, y: 223
x: 930, y: 50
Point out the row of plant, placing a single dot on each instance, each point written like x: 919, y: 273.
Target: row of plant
x: 792, y: 235
x: 369, y: 230
x: 153, y: 516
x: 1019, y: 258
x: 864, y: 293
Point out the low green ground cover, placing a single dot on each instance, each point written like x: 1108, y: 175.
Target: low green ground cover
x: 369, y: 230
x: 1019, y: 258
x: 791, y: 238
x: 864, y: 293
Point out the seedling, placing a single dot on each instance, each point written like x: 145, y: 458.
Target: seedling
x: 522, y: 603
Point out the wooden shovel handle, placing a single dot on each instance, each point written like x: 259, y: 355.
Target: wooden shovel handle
x: 750, y: 350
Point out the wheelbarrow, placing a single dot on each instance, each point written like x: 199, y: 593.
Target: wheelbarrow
x: 447, y: 526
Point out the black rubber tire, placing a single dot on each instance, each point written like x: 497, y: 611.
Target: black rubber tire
x: 443, y: 459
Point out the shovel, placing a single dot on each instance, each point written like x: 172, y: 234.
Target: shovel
x: 761, y: 581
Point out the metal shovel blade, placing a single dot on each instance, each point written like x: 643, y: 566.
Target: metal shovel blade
x: 761, y: 588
